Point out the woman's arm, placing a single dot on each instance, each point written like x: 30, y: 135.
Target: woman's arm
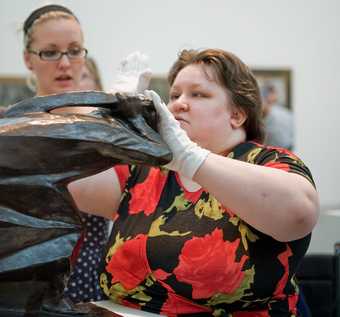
x: 278, y: 203
x: 281, y: 204
x: 98, y: 194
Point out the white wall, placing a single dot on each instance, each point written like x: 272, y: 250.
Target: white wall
x: 301, y: 34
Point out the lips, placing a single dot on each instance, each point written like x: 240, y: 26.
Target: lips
x: 179, y: 119
x: 64, y: 77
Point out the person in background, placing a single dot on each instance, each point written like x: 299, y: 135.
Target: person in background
x: 54, y: 49
x: 2, y: 111
x: 82, y: 285
x: 90, y: 78
x: 55, y: 54
x: 221, y: 229
x: 279, y: 123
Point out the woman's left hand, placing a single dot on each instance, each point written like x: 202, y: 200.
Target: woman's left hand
x: 133, y: 74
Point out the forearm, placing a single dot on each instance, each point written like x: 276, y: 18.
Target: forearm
x: 281, y: 204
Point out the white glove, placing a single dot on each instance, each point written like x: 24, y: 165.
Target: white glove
x: 187, y: 155
x: 133, y: 74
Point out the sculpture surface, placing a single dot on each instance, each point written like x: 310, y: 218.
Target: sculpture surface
x: 41, y: 152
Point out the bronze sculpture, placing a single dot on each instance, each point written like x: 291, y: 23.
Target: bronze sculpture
x: 41, y: 152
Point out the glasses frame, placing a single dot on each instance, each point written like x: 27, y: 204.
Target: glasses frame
x: 61, y: 54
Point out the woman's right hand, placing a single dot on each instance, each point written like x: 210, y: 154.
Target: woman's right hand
x: 187, y: 155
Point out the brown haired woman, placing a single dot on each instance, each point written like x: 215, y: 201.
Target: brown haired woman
x: 221, y: 229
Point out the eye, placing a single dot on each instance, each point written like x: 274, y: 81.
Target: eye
x: 198, y: 94
x: 49, y: 54
x: 174, y: 96
x: 75, y: 51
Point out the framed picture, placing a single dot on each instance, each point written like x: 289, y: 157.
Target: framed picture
x: 13, y: 89
x: 280, y: 79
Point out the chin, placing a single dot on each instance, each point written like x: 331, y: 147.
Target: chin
x: 64, y: 89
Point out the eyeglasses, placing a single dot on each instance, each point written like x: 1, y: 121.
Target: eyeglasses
x: 55, y: 55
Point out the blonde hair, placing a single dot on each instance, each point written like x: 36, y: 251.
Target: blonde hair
x: 93, y: 69
x: 28, y: 35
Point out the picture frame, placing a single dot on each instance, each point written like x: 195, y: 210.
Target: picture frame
x: 13, y: 89
x: 281, y: 79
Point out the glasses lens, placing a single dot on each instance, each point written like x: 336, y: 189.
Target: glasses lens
x: 76, y: 52
x: 50, y: 55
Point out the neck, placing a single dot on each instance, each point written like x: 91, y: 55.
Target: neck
x: 239, y: 136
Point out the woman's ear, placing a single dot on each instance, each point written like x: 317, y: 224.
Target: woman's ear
x: 27, y: 59
x: 238, y: 117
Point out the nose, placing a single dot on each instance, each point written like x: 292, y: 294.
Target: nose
x: 64, y: 61
x: 179, y: 105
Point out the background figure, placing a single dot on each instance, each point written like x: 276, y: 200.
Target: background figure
x: 54, y: 49
x: 83, y: 283
x: 55, y: 55
x: 278, y: 120
x: 90, y: 78
x: 2, y: 111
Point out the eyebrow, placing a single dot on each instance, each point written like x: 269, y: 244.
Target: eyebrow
x: 53, y: 45
x: 191, y: 86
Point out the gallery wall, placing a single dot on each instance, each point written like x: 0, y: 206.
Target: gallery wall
x: 300, y: 35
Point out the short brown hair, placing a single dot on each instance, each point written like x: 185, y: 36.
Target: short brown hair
x: 236, y: 77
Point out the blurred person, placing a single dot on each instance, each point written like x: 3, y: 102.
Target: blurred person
x: 2, y: 111
x: 221, y: 229
x: 83, y: 283
x: 278, y: 120
x: 90, y: 78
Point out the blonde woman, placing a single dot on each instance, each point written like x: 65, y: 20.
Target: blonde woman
x: 56, y: 56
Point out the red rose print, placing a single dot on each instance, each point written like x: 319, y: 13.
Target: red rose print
x: 151, y: 188
x: 129, y: 273
x: 285, y: 151
x: 208, y: 264
x: 123, y: 174
x: 193, y: 197
x: 175, y: 304
x: 283, y: 258
x: 161, y: 274
x: 292, y: 302
x: 278, y: 165
x: 277, y: 149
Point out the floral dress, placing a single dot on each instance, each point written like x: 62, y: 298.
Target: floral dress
x: 180, y: 253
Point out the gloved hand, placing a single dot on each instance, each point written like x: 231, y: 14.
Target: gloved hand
x: 187, y: 155
x: 133, y: 74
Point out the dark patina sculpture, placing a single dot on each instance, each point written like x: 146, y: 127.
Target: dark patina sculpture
x: 40, y: 153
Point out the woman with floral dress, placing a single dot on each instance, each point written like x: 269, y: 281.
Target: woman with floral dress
x: 221, y: 229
